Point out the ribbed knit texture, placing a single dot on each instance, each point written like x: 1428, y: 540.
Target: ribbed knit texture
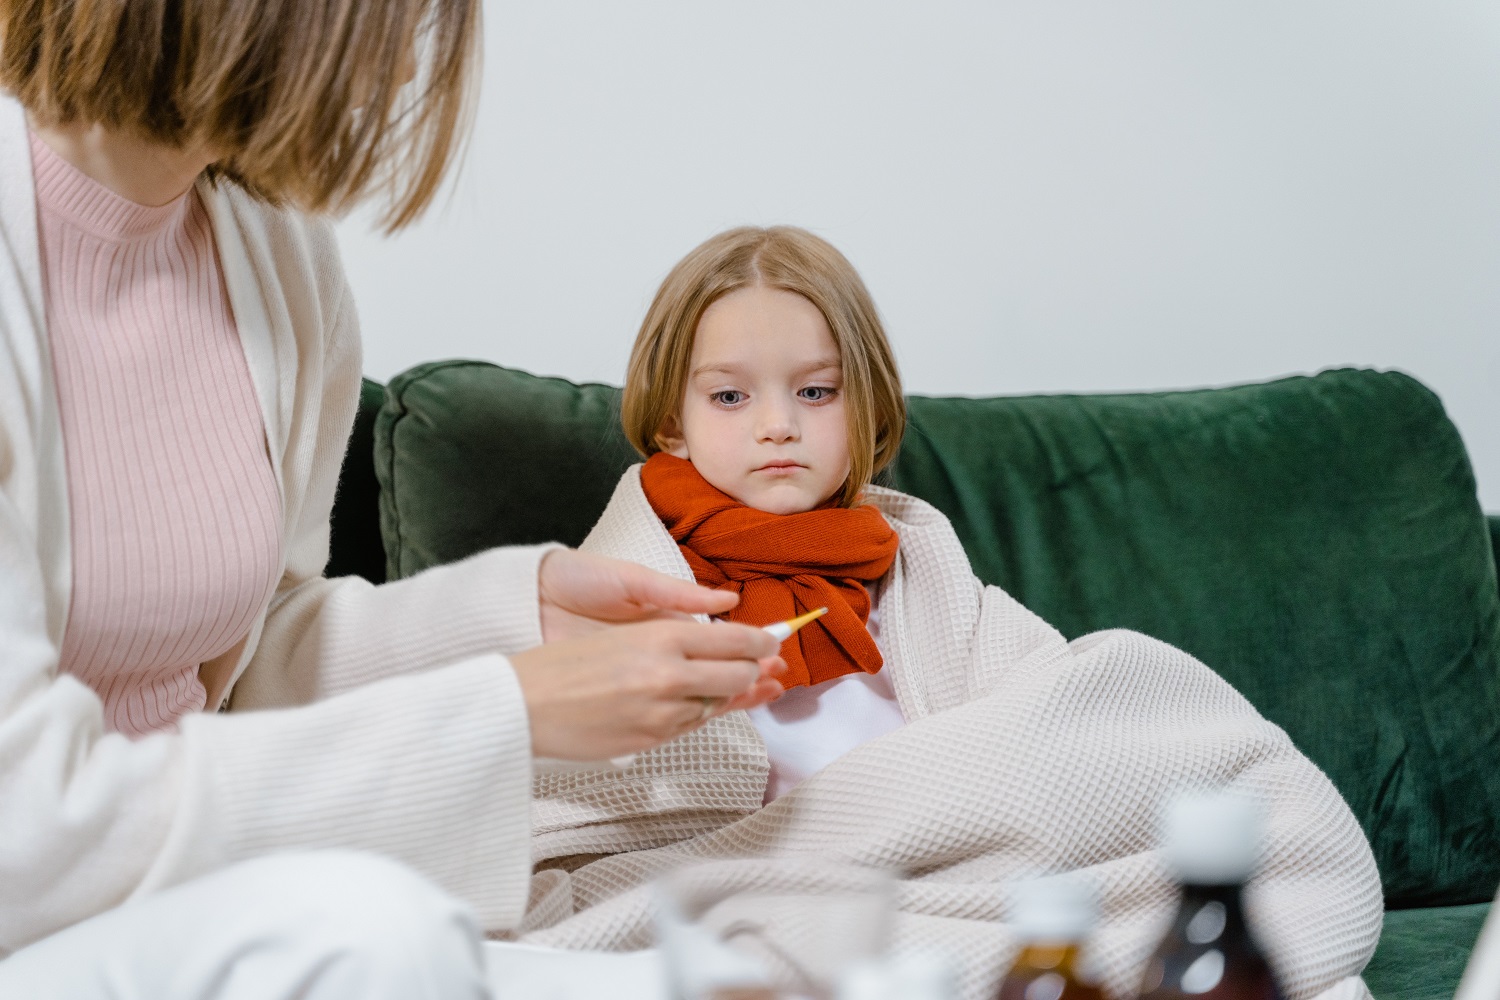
x: 781, y: 565
x: 175, y: 511
x: 1023, y: 754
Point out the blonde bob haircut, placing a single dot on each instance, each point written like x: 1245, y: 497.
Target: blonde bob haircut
x: 305, y: 102
x: 782, y: 257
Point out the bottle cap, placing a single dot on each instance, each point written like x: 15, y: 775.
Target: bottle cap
x: 1213, y: 838
x: 866, y: 981
x: 697, y: 961
x: 1057, y: 909
x: 900, y: 977
x: 924, y: 976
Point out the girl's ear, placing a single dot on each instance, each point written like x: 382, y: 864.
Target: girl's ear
x: 670, y: 440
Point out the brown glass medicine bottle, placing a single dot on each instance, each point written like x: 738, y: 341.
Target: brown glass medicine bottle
x: 1053, y: 917
x: 1210, y: 952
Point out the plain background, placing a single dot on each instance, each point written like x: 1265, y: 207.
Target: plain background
x: 1059, y: 196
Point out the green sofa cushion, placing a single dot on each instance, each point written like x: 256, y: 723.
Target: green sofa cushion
x: 1316, y: 540
x: 1422, y: 953
x: 470, y: 456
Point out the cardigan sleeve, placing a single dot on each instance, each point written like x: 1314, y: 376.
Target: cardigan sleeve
x: 432, y: 769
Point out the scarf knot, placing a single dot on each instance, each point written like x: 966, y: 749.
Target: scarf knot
x: 781, y: 565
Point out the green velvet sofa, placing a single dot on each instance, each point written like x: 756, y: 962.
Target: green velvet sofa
x: 1317, y: 540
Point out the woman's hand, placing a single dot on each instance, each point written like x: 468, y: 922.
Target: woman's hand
x: 582, y: 593
x: 619, y: 690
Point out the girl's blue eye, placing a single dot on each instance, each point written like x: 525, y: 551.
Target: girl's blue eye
x: 728, y: 397
x: 816, y: 393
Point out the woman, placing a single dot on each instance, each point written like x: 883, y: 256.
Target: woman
x: 179, y: 372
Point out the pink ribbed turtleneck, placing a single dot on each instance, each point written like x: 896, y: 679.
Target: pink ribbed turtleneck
x: 175, y: 511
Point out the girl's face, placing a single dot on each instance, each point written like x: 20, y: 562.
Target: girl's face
x: 763, y: 413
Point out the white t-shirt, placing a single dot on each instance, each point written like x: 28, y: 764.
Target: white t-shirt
x: 808, y: 728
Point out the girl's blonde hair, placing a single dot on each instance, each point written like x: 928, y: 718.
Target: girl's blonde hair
x: 304, y: 100
x: 779, y: 257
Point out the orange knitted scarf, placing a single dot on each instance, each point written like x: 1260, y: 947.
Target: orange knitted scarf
x: 781, y: 565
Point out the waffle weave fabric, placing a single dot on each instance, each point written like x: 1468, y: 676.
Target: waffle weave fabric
x: 1023, y: 754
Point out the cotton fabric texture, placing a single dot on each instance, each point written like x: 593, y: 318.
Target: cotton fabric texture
x: 780, y: 565
x: 412, y: 741
x: 1024, y: 754
x: 808, y: 728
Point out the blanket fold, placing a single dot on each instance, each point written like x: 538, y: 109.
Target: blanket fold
x: 1023, y: 754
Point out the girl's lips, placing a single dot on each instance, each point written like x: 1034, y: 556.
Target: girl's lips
x: 780, y: 468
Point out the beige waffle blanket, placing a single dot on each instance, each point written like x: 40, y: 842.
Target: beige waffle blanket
x: 1023, y: 754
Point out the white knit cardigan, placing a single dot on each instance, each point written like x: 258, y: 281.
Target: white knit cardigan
x: 410, y: 738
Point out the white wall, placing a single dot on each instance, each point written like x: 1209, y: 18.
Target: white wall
x: 1042, y: 195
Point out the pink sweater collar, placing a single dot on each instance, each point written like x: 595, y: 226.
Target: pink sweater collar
x: 65, y: 191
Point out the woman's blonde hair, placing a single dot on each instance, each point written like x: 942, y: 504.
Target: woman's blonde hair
x: 305, y: 101
x: 779, y: 257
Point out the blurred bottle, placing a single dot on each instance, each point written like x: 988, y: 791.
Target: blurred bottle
x: 1053, y: 917
x: 904, y: 977
x: 1212, y: 843
x: 698, y: 965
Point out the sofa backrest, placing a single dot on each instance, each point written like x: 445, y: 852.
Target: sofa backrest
x: 1315, y: 540
x: 355, y: 547
x: 1494, y: 520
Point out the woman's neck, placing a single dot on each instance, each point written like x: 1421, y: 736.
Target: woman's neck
x: 137, y: 170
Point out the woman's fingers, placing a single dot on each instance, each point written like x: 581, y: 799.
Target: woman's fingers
x: 720, y: 641
x: 773, y: 666
x: 718, y: 679
x: 629, y: 687
x: 762, y: 692
x: 579, y: 590
x: 648, y: 589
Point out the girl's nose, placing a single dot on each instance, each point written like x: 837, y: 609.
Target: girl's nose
x: 777, y: 425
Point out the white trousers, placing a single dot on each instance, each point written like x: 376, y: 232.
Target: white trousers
x: 326, y: 925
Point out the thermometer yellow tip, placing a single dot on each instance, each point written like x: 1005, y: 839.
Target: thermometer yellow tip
x: 802, y: 620
x: 783, y: 630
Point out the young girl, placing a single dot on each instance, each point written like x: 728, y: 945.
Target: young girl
x: 763, y: 429
x: 931, y: 725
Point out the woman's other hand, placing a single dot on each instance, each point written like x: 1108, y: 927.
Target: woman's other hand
x: 620, y: 690
x: 582, y: 593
